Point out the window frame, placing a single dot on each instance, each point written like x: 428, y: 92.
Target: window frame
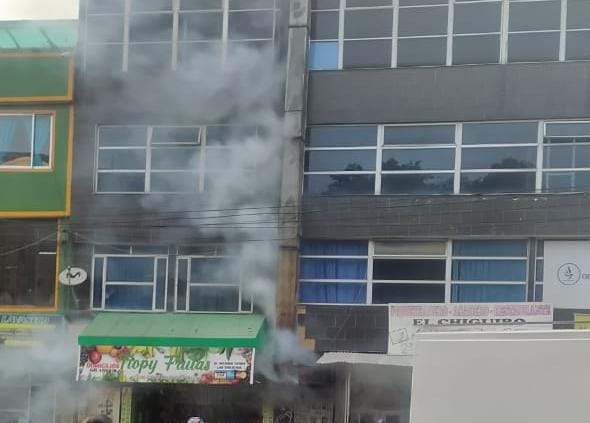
x: 448, y: 257
x: 130, y: 254
x: 202, y: 148
x: 503, y: 32
x: 50, y: 167
x: 539, y: 170
x: 175, y: 42
x: 189, y: 284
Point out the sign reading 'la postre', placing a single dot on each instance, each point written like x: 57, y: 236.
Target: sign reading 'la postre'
x: 405, y: 320
x: 226, y: 366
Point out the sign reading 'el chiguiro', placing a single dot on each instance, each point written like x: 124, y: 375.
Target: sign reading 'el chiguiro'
x: 405, y: 320
x: 143, y: 364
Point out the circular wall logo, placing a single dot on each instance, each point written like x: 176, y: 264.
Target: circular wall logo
x: 569, y: 274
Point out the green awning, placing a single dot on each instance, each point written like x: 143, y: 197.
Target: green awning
x: 38, y: 35
x: 175, y: 330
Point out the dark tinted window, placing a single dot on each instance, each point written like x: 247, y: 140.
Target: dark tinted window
x: 419, y: 159
x: 421, y: 51
x: 533, y: 16
x: 578, y: 14
x: 150, y: 27
x: 324, y: 25
x: 578, y: 45
x: 499, y: 133
x: 423, y: 21
x: 408, y: 293
x: 150, y: 5
x: 430, y: 134
x: 477, y: 17
x: 533, y: 47
x: 497, y: 182
x: 417, y: 184
x: 355, y: 160
x: 499, y: 158
x: 370, y: 53
x: 476, y: 49
x: 200, y: 26
x: 368, y: 23
x: 416, y: 270
x: 342, y: 136
x: 339, y: 184
x: 120, y: 182
x: 245, y: 25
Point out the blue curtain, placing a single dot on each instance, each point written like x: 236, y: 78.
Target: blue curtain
x: 7, y: 127
x: 348, y: 293
x: 333, y: 269
x: 489, y: 270
x: 323, y: 55
x: 487, y: 293
x: 41, y: 141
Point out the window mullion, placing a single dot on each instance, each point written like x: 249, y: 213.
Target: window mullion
x: 341, y: 34
x: 369, y: 285
x: 202, y: 158
x: 562, y: 31
x: 126, y: 23
x: 104, y: 285
x: 155, y: 283
x: 505, y: 13
x: 175, y: 29
x: 450, y: 24
x: 448, y: 271
x: 148, y: 161
x: 394, y: 33
x: 458, y: 148
x: 539, y: 172
x: 379, y: 158
x: 225, y: 32
x: 32, y: 154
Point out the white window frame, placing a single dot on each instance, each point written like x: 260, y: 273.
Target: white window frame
x: 503, y: 31
x: 568, y: 170
x: 51, y: 140
x: 448, y: 257
x: 240, y: 285
x: 175, y: 42
x: 539, y: 170
x: 105, y: 256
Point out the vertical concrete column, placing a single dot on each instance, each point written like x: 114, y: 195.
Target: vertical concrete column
x: 292, y: 161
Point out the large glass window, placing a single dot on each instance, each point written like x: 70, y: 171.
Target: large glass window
x: 340, y: 160
x: 210, y: 279
x: 169, y: 159
x: 498, y: 157
x: 29, y: 399
x: 418, y: 159
x: 333, y: 272
x: 462, y: 158
x: 489, y: 271
x: 578, y: 30
x: 422, y: 33
x: 154, y: 34
x: 534, y: 30
x: 28, y: 275
x: 129, y: 279
x: 407, y: 271
x: 416, y: 33
x: 26, y: 141
x: 566, y: 156
x: 476, y: 32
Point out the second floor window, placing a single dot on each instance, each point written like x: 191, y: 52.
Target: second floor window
x: 25, y: 141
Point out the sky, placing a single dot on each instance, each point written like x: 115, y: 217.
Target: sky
x: 11, y: 10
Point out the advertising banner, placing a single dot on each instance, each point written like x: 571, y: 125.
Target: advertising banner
x: 405, y: 320
x: 221, y: 366
x: 566, y: 274
x: 27, y: 330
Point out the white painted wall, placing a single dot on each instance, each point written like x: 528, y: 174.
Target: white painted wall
x: 11, y: 10
x: 519, y: 377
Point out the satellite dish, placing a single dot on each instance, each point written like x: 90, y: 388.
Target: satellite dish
x: 72, y: 276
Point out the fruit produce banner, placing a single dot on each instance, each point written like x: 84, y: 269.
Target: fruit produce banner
x: 221, y: 366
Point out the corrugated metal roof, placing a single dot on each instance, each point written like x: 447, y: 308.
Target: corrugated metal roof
x: 37, y: 35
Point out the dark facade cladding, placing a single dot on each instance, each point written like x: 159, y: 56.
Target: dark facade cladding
x: 346, y: 329
x: 502, y: 215
x: 453, y: 93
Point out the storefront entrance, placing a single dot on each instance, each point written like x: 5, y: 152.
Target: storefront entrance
x: 213, y: 404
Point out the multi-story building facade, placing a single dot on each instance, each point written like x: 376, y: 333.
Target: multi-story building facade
x: 36, y: 137
x: 446, y: 145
